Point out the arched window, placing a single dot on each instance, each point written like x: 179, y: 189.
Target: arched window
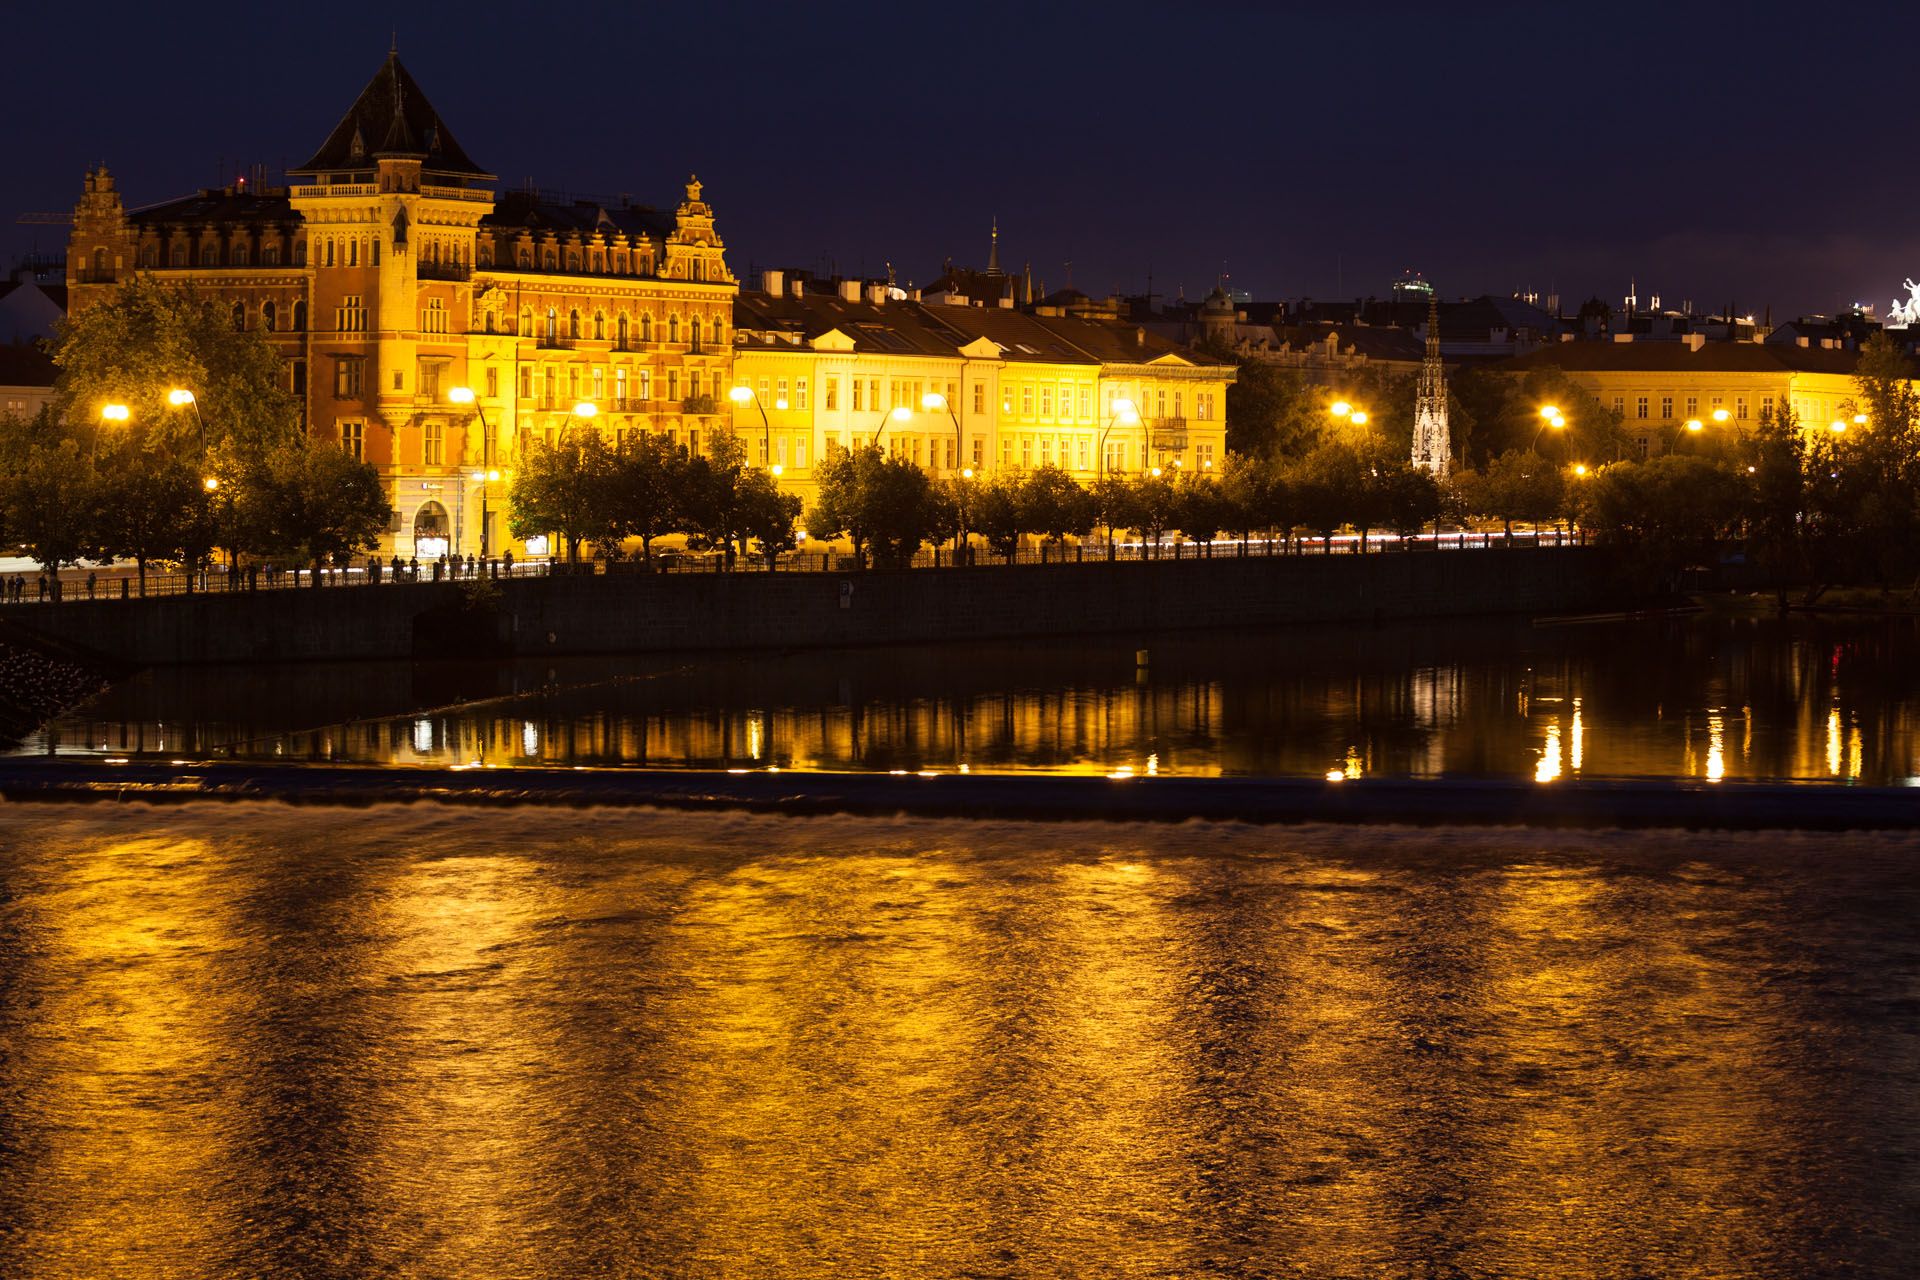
x: 620, y: 328
x: 549, y: 260
x: 697, y: 269
x: 240, y: 255
x: 149, y: 256
x: 573, y: 324
x: 526, y: 259
x: 719, y: 333
x: 693, y: 333
x: 300, y: 253
x: 673, y: 329
x: 267, y: 315
x: 599, y: 326
x: 353, y: 253
x: 100, y: 261
x: 329, y: 257
x: 553, y: 324
x: 646, y: 326
x: 179, y: 256
x: 210, y: 255
x: 526, y: 320
x: 270, y: 255
x: 239, y: 315
x: 299, y: 317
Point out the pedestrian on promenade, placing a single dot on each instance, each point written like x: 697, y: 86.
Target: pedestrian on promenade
x: 92, y: 581
x: 507, y: 559
x: 413, y: 568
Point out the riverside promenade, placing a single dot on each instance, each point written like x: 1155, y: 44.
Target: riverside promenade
x: 570, y: 613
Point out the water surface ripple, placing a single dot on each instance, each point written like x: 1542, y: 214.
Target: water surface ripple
x: 252, y: 1040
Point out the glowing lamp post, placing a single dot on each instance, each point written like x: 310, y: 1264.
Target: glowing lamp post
x: 465, y: 396
x: 1127, y: 416
x: 934, y: 400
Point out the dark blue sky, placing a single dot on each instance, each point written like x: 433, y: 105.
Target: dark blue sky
x: 1750, y: 152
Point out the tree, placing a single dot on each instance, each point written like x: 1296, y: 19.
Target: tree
x: 1665, y: 513
x: 1326, y: 487
x: 884, y: 505
x: 1000, y: 514
x: 1274, y: 413
x: 152, y: 505
x: 767, y: 515
x: 646, y: 479
x: 1777, y: 498
x: 1517, y: 485
x: 562, y: 488
x: 1053, y: 505
x: 1151, y: 507
x: 48, y: 491
x: 1112, y: 499
x: 1879, y: 464
x: 315, y: 503
x: 1409, y: 497
x: 709, y: 505
x: 152, y: 338
x: 1248, y: 494
x: 1200, y: 511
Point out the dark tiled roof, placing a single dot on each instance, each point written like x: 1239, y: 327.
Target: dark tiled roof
x: 1680, y: 357
x: 517, y: 209
x: 1376, y: 342
x: 897, y: 327
x: 24, y: 364
x: 224, y: 205
x: 1019, y: 336
x: 413, y: 129
x: 1117, y: 342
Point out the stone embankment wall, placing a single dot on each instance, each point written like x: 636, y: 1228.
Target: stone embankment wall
x: 636, y: 613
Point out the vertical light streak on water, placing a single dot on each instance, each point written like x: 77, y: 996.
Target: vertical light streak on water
x: 1716, y: 747
x: 1548, y: 767
x: 1578, y: 740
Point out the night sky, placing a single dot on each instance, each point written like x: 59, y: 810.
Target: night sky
x: 1752, y: 153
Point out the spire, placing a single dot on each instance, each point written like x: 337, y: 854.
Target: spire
x: 392, y: 111
x: 993, y: 251
x: 1432, y: 444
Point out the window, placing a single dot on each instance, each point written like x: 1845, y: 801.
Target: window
x: 979, y: 450
x: 526, y: 382
x: 433, y: 319
x: 831, y: 390
x: 1026, y: 400
x: 1693, y: 406
x: 429, y: 378
x: 673, y: 384
x: 239, y: 315
x: 1620, y: 406
x: 1084, y: 450
x: 399, y: 380
x: 1203, y: 454
x: 1046, y: 402
x: 646, y: 384
x: 620, y: 330
x: 209, y: 255
x: 1766, y: 406
x: 1666, y: 408
x: 780, y: 392
x: 550, y: 377
x: 267, y: 315
x: 1640, y: 446
x: 1046, y: 445
x: 553, y: 324
x: 493, y: 383
x: 270, y: 256
x: 350, y: 316
x: 1178, y: 399
x: 979, y: 397
x: 178, y: 257
x: 800, y: 393
x: 239, y: 255
x: 1086, y: 408
x: 300, y: 253
x: 646, y: 327
x: 856, y: 395
x: 353, y: 438
x: 693, y: 334
x: 599, y: 384
x: 1740, y: 408
x: 353, y: 253
x: 298, y: 372
x: 347, y: 371
x: 1006, y: 451
x: 1640, y: 407
x: 800, y: 451
x: 573, y: 324
x: 573, y: 382
x: 673, y: 329
x: 433, y: 444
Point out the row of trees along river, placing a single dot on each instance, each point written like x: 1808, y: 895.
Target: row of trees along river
x: 231, y: 472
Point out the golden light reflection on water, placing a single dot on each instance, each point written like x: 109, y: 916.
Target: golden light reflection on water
x: 247, y: 1040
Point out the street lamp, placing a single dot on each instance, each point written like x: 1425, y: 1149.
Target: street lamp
x: 1837, y: 426
x: 934, y: 400
x: 582, y: 409
x: 743, y: 394
x: 1720, y: 416
x: 181, y: 396
x: 465, y: 396
x: 1550, y: 417
x: 115, y: 413
x: 1123, y: 413
x: 899, y: 413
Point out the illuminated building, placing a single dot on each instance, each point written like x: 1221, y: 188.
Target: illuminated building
x: 1656, y: 387
x: 391, y: 271
x: 981, y: 386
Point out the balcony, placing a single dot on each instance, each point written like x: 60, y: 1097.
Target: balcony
x: 554, y: 342
x: 442, y: 271
x: 700, y: 404
x: 99, y: 275
x: 1167, y: 434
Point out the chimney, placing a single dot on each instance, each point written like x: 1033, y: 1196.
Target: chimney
x: 799, y: 288
x: 772, y: 283
x: 850, y: 291
x: 877, y: 294
x: 1694, y: 341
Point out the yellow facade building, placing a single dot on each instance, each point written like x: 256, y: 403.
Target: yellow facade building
x: 1656, y: 387
x: 394, y: 278
x: 954, y: 387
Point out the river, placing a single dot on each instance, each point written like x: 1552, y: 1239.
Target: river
x: 251, y: 1040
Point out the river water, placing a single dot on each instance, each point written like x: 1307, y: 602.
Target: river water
x: 248, y: 1040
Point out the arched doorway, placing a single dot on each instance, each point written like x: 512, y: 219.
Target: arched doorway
x: 430, y: 527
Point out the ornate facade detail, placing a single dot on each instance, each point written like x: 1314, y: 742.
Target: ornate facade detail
x: 1432, y: 445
